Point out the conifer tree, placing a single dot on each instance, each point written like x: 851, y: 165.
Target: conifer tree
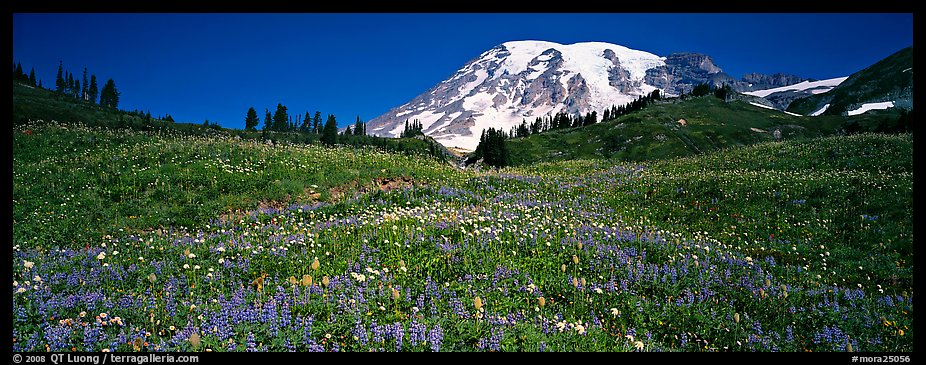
x: 32, y: 77
x: 109, y: 95
x: 18, y: 73
x: 268, y: 120
x: 330, y: 132
x: 317, y: 123
x: 83, y: 90
x: 59, y: 81
x: 360, y: 128
x: 306, y: 123
x: 92, y: 89
x: 251, y: 120
x: 280, y: 119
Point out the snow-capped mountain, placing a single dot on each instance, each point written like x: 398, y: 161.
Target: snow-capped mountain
x: 523, y: 80
x: 519, y: 81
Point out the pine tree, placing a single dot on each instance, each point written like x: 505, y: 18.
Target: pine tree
x: 69, y: 88
x: 360, y: 128
x: 59, y: 81
x: 317, y: 123
x: 18, y: 73
x: 306, y: 123
x: 268, y: 120
x: 492, y: 148
x: 83, y: 91
x: 92, y: 89
x: 109, y: 96
x: 330, y: 132
x: 701, y: 90
x: 32, y: 77
x: 76, y: 89
x: 280, y: 119
x: 251, y: 120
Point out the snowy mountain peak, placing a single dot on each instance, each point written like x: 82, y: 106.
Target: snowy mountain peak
x: 523, y: 80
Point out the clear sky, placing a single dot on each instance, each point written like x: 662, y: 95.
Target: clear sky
x: 214, y: 66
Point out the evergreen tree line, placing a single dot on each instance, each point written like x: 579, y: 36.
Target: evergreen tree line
x: 563, y: 120
x: 20, y: 77
x: 704, y: 89
x: 413, y: 129
x: 68, y: 84
x: 492, y: 148
x: 281, y: 121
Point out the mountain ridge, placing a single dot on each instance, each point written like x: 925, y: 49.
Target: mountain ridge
x: 523, y: 80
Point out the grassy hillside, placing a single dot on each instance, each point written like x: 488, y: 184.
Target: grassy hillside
x: 130, y: 240
x: 891, y: 79
x: 81, y: 171
x: 655, y: 132
x: 793, y: 246
x: 74, y: 183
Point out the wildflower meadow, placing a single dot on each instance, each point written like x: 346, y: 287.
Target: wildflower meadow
x: 152, y: 241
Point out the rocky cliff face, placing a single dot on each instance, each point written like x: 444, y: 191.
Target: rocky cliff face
x: 759, y: 81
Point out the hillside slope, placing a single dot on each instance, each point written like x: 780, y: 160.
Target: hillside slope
x: 671, y: 129
x: 888, y: 80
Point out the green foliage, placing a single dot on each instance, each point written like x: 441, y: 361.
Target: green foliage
x: 360, y: 128
x: 109, y: 95
x: 330, y: 131
x: 413, y: 129
x: 701, y: 90
x: 92, y: 91
x: 280, y: 119
x: 251, y: 120
x: 492, y: 149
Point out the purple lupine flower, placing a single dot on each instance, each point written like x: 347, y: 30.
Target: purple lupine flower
x: 398, y: 332
x: 251, y: 343
x: 496, y: 339
x: 359, y: 332
x: 417, y: 333
x: 436, y: 337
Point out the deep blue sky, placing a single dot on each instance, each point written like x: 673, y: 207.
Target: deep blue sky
x: 215, y: 66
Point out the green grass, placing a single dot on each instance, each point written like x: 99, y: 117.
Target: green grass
x: 654, y: 132
x: 73, y: 184
x: 799, y: 245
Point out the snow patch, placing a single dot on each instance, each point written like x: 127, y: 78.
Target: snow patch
x: 817, y: 86
x: 871, y: 106
x: 762, y: 106
x: 818, y: 112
